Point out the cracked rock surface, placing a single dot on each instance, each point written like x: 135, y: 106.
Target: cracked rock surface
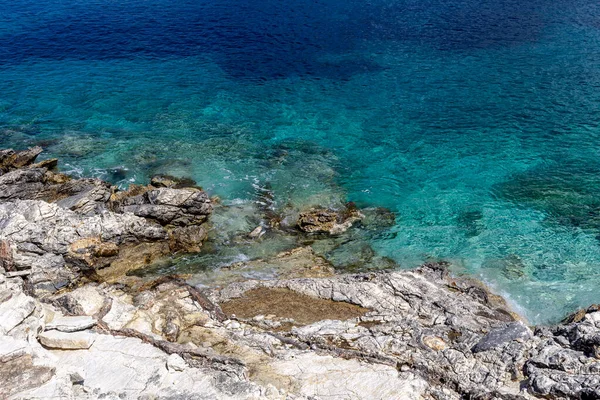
x: 56, y: 229
x: 74, y: 326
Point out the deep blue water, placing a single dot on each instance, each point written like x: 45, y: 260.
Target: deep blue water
x: 477, y: 121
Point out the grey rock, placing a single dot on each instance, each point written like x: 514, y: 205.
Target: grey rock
x: 11, y: 348
x: 176, y: 363
x: 500, y: 336
x: 167, y: 206
x: 87, y: 200
x: 42, y: 233
x: 21, y: 374
x: 21, y: 184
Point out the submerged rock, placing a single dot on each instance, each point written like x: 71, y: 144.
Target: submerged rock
x: 168, y: 181
x: 321, y: 220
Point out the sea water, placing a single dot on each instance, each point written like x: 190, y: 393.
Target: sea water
x: 475, y: 121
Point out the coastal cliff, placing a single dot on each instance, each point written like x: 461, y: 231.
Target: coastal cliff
x: 76, y: 323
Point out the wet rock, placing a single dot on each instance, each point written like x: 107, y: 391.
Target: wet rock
x: 67, y: 341
x: 287, y: 304
x: 378, y: 218
x: 120, y: 195
x: 500, y: 336
x: 321, y: 220
x: 187, y: 238
x: 257, y: 232
x: 413, y: 334
x: 295, y: 263
x: 168, y: 181
x: 132, y: 258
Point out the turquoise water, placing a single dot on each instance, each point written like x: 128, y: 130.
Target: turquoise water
x: 477, y: 122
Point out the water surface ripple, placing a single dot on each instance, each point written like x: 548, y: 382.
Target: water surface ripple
x: 476, y: 121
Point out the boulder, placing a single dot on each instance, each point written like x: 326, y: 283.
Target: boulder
x: 48, y: 164
x: 88, y: 199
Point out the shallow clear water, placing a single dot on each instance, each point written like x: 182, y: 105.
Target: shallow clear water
x: 477, y: 121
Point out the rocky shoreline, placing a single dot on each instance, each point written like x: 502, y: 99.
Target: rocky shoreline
x: 75, y: 324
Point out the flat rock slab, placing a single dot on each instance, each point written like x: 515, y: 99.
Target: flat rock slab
x: 498, y: 337
x: 67, y: 341
x: 129, y: 368
x: 327, y: 377
x: 71, y: 324
x: 11, y: 348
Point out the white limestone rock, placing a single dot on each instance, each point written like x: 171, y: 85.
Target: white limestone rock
x: 120, y: 314
x: 14, y: 311
x: 11, y: 348
x: 176, y: 363
x: 71, y: 323
x: 67, y: 341
x: 329, y: 377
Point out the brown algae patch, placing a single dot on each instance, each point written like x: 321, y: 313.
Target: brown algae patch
x: 287, y: 304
